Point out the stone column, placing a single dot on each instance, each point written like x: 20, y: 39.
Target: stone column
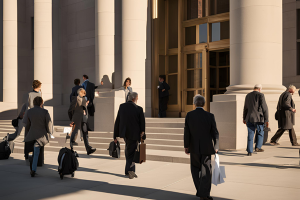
x: 105, y: 41
x: 255, y: 57
x: 43, y: 67
x: 134, y: 24
x: 10, y: 52
x: 255, y: 46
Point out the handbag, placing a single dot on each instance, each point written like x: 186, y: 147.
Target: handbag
x: 218, y: 172
x: 140, y: 153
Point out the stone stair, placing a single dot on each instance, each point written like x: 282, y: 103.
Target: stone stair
x: 164, y: 140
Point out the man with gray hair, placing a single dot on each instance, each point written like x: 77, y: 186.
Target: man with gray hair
x: 255, y: 115
x: 130, y: 125
x: 201, y: 140
x: 286, y: 116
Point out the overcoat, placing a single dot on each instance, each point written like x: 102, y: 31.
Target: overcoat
x: 285, y: 115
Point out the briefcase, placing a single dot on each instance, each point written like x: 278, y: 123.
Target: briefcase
x: 140, y: 153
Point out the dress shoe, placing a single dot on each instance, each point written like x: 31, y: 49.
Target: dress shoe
x: 296, y: 144
x: 249, y: 154
x: 131, y: 175
x: 74, y: 144
x: 274, y: 143
x: 210, y: 198
x: 32, y: 173
x: 259, y: 150
x: 92, y: 150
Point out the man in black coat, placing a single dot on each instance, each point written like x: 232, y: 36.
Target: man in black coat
x: 163, y: 89
x: 130, y: 125
x: 90, y: 94
x: 75, y: 89
x: 201, y: 140
x: 286, y: 116
x: 255, y: 115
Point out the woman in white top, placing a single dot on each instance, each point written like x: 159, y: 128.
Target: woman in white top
x: 127, y: 88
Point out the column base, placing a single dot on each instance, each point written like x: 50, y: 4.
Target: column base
x: 245, y: 89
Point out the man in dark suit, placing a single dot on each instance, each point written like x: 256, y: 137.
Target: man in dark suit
x: 255, y: 115
x: 163, y: 89
x: 90, y: 95
x: 286, y: 116
x: 201, y: 140
x: 75, y: 89
x: 130, y: 125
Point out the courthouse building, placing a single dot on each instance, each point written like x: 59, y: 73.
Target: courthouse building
x: 217, y: 48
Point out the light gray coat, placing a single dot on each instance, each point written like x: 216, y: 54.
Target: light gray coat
x: 29, y: 103
x: 38, y: 125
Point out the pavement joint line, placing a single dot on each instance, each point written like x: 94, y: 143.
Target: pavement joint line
x: 261, y: 184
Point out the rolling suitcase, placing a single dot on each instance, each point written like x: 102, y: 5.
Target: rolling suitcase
x: 67, y: 162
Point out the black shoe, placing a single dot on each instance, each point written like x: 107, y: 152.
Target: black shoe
x: 249, y: 154
x: 209, y: 197
x: 74, y: 144
x: 92, y: 150
x: 296, y: 144
x: 259, y: 150
x: 32, y: 173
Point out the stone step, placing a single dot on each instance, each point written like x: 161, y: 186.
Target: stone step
x: 165, y: 120
x: 164, y: 130
x: 165, y: 125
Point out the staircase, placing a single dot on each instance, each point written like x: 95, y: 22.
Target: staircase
x: 164, y: 140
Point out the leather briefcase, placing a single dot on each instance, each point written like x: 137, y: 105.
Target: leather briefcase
x: 140, y: 153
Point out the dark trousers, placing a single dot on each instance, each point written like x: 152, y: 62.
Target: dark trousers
x: 130, y: 147
x: 279, y: 133
x: 84, y: 129
x: 163, y: 106
x: 201, y: 173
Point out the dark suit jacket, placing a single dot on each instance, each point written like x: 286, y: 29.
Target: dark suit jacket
x: 200, y: 132
x: 255, y: 108
x: 38, y: 125
x: 76, y: 108
x: 130, y: 122
x: 90, y: 95
x: 162, y: 86
x: 74, y: 91
x: 286, y: 118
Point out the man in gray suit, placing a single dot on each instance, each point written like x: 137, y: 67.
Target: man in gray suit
x: 201, y: 140
x: 255, y: 115
x: 286, y: 116
x: 38, y: 128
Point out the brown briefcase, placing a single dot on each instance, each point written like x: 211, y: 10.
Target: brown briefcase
x: 140, y: 153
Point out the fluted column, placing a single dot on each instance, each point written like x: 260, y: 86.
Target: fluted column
x: 105, y: 40
x: 43, y: 67
x: 10, y: 51
x: 255, y: 45
x: 134, y: 24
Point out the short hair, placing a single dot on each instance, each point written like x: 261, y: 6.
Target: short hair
x: 132, y: 96
x: 199, y: 101
x: 126, y: 81
x: 36, y: 84
x: 163, y: 77
x: 81, y: 90
x: 86, y: 76
x: 292, y: 87
x: 258, y: 87
x: 77, y: 81
x: 38, y: 101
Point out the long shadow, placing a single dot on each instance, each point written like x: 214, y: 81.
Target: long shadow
x: 287, y: 157
x: 289, y: 148
x: 101, y: 157
x: 46, y: 187
x: 263, y: 165
x: 231, y: 154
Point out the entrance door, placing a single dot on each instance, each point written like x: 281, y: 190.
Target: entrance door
x: 195, y: 77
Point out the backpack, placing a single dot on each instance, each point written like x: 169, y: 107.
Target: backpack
x: 5, y: 149
x: 67, y: 162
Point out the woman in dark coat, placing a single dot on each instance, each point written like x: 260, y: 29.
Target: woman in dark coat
x: 78, y: 114
x: 38, y: 128
x: 286, y: 116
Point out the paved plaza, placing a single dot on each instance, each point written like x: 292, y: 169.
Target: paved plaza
x: 273, y: 175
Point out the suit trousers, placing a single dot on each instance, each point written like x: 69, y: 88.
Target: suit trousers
x: 163, y: 106
x: 84, y: 131
x: 279, y: 133
x: 130, y: 147
x: 201, y: 173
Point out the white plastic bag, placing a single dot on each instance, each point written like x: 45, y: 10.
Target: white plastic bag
x: 219, y: 172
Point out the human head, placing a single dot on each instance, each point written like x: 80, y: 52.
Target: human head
x: 258, y: 87
x: 133, y: 96
x: 81, y: 92
x: 38, y: 101
x: 127, y: 82
x: 85, y: 77
x: 292, y: 89
x: 36, y: 85
x: 162, y: 78
x: 77, y: 81
x: 199, y: 101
